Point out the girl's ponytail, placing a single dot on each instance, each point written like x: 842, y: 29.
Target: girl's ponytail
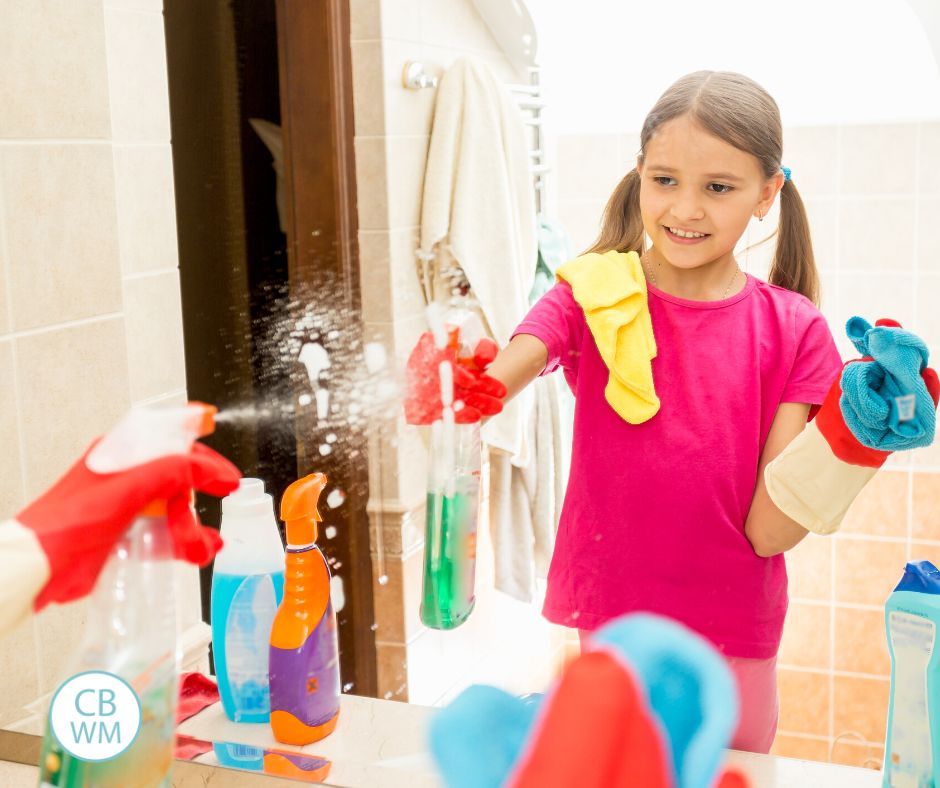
x: 622, y: 227
x: 794, y: 264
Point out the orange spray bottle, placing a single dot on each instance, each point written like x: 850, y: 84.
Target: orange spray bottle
x: 303, y: 666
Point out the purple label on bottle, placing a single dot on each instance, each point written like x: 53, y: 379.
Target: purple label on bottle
x: 305, y: 681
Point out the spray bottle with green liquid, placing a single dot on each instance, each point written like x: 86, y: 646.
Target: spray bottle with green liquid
x: 447, y: 597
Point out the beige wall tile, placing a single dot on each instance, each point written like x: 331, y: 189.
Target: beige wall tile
x: 455, y: 24
x: 582, y: 220
x: 877, y: 234
x: 806, y: 749
x: 4, y: 310
x: 407, y: 159
x: 861, y: 705
x: 629, y: 145
x: 925, y: 506
x: 867, y: 294
x: 589, y: 166
x: 867, y: 571
x: 392, y: 671
x: 136, y: 46
x: 53, y: 56
x: 11, y: 479
x: 878, y: 158
x: 19, y: 672
x: 928, y: 240
x: 928, y: 315
x: 72, y: 386
x: 928, y: 457
x: 401, y: 19
x: 368, y: 82
x: 928, y: 159
x: 136, y: 5
x: 922, y: 551
x: 860, y: 643
x: 809, y: 569
x: 806, y: 637
x: 146, y: 209
x: 881, y: 508
x: 60, y: 228
x: 824, y: 228
x: 829, y: 302
x: 804, y: 702
x: 811, y: 153
x: 389, y: 275
x: 371, y: 183
x: 406, y: 111
x: 60, y: 631
x: 364, y: 19
x: 154, y: 320
x: 865, y: 756
x: 389, y: 598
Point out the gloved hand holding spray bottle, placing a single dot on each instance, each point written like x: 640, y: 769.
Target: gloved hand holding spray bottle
x: 131, y: 629
x: 447, y: 388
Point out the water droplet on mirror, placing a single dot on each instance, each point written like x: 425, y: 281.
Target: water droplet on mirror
x: 336, y: 498
x: 331, y: 438
x: 305, y: 399
x: 374, y: 627
x: 347, y: 687
x: 325, y: 449
x: 330, y: 532
x: 383, y: 580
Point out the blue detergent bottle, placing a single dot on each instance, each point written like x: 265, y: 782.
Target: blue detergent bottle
x: 912, y: 616
x: 247, y: 587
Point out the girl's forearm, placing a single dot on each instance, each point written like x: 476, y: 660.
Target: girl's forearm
x: 519, y: 363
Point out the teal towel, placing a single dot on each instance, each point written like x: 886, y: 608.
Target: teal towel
x: 870, y: 389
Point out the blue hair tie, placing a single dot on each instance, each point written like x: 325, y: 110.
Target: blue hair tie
x: 786, y: 173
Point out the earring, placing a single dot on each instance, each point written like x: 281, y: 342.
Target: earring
x: 760, y: 216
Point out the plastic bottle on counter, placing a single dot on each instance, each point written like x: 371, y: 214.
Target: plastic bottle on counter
x: 912, y: 615
x: 247, y: 587
x: 304, y: 655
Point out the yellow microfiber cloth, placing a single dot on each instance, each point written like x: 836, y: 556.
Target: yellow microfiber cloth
x: 611, y: 289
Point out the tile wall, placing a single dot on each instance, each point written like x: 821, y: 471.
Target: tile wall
x: 872, y: 195
x: 90, y: 319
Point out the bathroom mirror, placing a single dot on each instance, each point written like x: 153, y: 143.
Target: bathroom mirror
x: 291, y: 198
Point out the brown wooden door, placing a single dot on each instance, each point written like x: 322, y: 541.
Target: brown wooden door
x: 317, y: 121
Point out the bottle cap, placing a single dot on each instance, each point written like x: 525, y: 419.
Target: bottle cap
x: 299, y: 509
x: 248, y: 500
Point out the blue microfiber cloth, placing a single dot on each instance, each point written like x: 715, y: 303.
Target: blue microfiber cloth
x: 478, y: 738
x: 691, y: 690
x: 870, y: 388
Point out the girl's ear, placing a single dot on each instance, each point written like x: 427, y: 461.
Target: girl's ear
x: 769, y: 192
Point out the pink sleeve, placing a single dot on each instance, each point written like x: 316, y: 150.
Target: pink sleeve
x: 557, y: 320
x: 817, y: 362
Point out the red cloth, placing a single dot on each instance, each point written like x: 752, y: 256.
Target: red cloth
x: 196, y: 692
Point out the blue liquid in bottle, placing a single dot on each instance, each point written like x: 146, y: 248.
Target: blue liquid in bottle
x: 243, y: 609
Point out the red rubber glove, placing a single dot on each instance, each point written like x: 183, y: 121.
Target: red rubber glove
x: 480, y: 394
x: 80, y: 518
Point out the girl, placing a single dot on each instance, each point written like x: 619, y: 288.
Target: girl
x: 670, y: 514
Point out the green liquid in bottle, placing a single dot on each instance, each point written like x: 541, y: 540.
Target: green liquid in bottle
x: 450, y: 556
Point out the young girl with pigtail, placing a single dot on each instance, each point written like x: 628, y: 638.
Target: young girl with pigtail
x: 693, y: 468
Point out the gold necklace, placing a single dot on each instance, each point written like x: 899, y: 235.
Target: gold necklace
x: 649, y: 270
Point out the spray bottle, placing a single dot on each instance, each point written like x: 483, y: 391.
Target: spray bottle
x: 247, y: 587
x: 912, y: 616
x: 131, y: 629
x: 303, y: 665
x: 447, y: 596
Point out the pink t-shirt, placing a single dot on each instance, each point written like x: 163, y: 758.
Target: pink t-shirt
x: 654, y: 513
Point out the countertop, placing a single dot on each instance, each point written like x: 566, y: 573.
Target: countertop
x: 381, y: 743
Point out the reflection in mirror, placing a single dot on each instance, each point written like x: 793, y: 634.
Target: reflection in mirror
x: 289, y: 187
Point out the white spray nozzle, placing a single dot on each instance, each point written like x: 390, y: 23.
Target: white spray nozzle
x: 148, y: 433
